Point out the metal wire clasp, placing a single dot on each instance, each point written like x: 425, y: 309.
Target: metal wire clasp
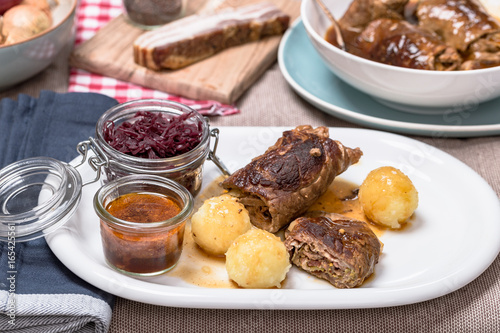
x: 212, y: 154
x: 96, y: 161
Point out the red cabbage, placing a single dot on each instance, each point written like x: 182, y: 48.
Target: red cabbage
x: 154, y: 134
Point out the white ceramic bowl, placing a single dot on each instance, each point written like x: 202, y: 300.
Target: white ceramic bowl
x: 412, y: 90
x: 21, y: 61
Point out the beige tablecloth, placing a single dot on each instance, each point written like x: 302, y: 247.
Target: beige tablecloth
x: 271, y: 102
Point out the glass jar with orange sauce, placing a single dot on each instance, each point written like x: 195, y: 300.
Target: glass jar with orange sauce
x: 142, y: 221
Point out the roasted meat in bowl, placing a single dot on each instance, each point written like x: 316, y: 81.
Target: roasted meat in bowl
x: 399, y: 53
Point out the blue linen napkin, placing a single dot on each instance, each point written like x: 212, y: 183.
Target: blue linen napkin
x: 43, y: 295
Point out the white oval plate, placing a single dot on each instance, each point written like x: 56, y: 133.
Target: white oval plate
x: 426, y: 260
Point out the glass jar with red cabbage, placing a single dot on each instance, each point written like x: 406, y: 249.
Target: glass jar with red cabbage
x: 153, y: 136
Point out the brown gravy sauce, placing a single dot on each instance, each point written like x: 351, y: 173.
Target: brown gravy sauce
x: 330, y: 36
x: 203, y: 270
x: 342, y: 198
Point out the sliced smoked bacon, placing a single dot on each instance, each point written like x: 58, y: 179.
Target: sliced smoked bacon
x: 197, y: 37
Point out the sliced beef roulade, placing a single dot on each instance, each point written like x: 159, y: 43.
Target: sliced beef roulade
x: 284, y: 182
x: 334, y: 248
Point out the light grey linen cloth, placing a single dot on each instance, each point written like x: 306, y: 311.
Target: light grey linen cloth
x: 36, y: 313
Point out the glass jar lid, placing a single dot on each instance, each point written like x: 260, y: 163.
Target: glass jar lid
x: 37, y: 196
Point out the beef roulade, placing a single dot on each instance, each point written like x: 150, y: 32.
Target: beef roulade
x: 333, y: 247
x: 284, y: 182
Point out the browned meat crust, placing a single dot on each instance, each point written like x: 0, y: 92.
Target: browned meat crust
x: 458, y: 22
x: 334, y: 248
x: 466, y: 26
x: 424, y: 34
x: 284, y: 182
x: 399, y: 43
x: 361, y: 12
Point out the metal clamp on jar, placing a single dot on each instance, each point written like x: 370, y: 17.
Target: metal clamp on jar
x: 186, y: 168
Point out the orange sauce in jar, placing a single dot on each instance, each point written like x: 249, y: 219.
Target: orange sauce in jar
x: 143, y: 250
x: 143, y: 207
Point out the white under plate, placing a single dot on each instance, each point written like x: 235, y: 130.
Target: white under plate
x: 307, y: 74
x: 426, y: 260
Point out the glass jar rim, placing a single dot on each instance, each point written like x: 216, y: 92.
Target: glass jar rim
x: 166, y: 183
x: 154, y: 105
x: 50, y: 190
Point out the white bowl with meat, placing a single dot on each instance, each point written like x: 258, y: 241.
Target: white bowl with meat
x: 31, y: 38
x: 399, y: 54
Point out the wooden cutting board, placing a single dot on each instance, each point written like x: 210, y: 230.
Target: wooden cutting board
x: 222, y: 77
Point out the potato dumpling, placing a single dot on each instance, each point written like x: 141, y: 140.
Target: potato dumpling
x: 257, y: 259
x: 388, y: 197
x: 218, y: 222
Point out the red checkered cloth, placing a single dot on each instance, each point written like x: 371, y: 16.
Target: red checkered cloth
x: 93, y: 15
